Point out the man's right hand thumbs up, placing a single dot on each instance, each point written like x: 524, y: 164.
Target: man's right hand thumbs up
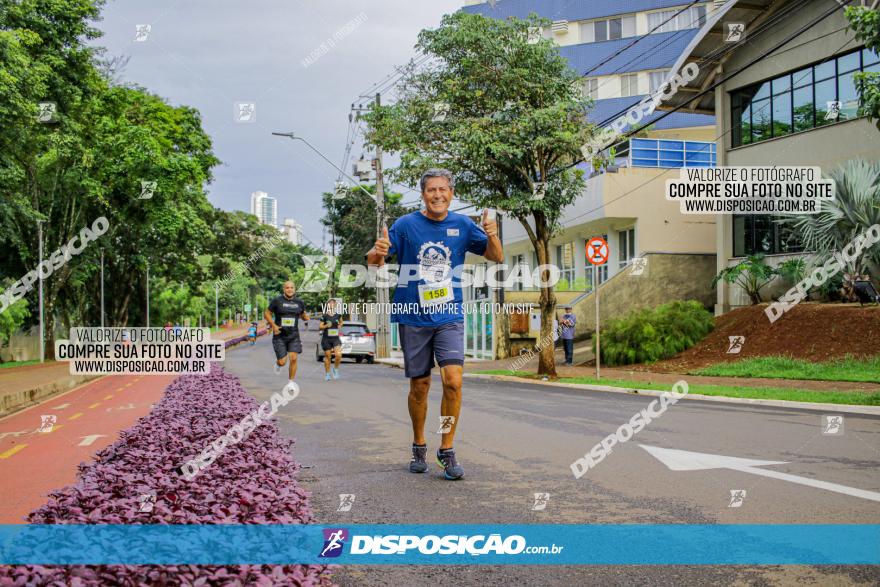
x: 383, y: 243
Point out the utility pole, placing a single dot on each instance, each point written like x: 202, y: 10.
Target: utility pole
x: 382, y: 346
x: 216, y: 307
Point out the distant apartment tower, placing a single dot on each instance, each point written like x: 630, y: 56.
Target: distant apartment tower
x: 292, y: 230
x: 265, y: 208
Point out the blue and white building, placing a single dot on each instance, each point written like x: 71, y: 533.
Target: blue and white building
x: 624, y: 50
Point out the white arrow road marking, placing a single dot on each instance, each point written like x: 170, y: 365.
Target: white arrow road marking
x: 683, y: 460
x: 88, y: 440
x: 61, y: 407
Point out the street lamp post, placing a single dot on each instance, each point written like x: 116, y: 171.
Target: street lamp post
x: 148, y: 294
x: 102, y: 288
x: 216, y: 307
x: 40, y: 276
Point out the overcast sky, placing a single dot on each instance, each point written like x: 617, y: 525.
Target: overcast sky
x: 210, y: 54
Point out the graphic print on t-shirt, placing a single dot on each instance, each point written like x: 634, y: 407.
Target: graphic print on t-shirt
x: 435, y: 261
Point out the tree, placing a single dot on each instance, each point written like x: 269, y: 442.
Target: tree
x: 11, y: 320
x: 854, y: 209
x: 865, y: 23
x: 515, y: 117
x: 350, y: 220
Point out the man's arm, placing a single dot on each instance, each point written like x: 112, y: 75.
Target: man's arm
x: 269, y: 318
x: 494, y: 250
x: 322, y: 325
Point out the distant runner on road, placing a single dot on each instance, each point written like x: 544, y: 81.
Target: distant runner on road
x: 283, y: 316
x: 330, y: 327
x: 436, y: 241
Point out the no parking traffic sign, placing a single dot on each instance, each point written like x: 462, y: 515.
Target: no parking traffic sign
x: 597, y: 250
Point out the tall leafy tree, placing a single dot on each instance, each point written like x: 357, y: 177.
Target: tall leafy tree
x: 504, y: 111
x: 865, y: 23
x: 351, y: 220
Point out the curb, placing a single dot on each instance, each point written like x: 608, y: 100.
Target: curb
x: 28, y: 398
x: 776, y: 403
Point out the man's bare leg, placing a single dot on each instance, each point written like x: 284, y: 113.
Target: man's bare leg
x: 327, y: 361
x: 450, y: 405
x: 291, y: 369
x: 338, y: 357
x: 418, y: 406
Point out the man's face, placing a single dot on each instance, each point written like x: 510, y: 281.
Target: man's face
x: 437, y: 195
x: 331, y: 305
x: 289, y: 289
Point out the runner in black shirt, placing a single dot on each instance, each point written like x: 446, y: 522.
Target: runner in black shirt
x: 283, y: 315
x: 331, y: 324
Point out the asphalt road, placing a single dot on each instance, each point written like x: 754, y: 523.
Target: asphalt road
x: 515, y: 440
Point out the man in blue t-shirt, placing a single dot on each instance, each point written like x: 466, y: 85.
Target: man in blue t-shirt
x: 430, y: 245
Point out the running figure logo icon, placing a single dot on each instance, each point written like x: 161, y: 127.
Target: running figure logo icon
x: 142, y: 32
x: 737, y: 497
x: 47, y: 423
x: 317, y: 274
x: 833, y: 112
x: 47, y: 111
x: 245, y: 112
x: 147, y: 501
x: 736, y: 344
x: 147, y: 189
x: 541, y: 500
x: 334, y: 541
x: 446, y: 423
x: 735, y: 32
x: 639, y: 264
x: 832, y: 425
x: 346, y: 500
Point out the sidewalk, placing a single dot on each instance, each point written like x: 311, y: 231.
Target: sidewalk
x: 28, y: 385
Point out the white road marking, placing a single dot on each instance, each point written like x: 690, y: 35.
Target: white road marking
x: 683, y: 460
x: 88, y: 440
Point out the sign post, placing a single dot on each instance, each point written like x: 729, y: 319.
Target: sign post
x: 597, y: 254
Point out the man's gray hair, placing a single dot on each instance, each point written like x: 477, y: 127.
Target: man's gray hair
x: 436, y: 172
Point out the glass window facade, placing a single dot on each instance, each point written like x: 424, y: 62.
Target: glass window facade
x: 693, y: 17
x: 629, y: 85
x: 591, y: 88
x: 670, y: 153
x: 756, y: 233
x: 608, y: 29
x: 800, y: 100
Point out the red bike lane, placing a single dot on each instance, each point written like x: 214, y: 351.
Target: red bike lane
x: 86, y: 419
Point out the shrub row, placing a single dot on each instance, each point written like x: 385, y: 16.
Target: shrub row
x: 649, y: 335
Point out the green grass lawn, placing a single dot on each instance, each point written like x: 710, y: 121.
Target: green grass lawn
x: 858, y: 398
x: 11, y: 364
x: 784, y: 368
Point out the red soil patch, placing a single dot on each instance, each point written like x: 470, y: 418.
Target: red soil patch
x: 811, y: 331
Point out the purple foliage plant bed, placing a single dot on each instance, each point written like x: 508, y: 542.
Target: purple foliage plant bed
x: 252, y: 482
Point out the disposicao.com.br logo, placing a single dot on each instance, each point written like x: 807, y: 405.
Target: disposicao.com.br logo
x: 450, y: 544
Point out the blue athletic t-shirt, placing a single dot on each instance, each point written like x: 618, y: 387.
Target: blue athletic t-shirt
x: 436, y: 248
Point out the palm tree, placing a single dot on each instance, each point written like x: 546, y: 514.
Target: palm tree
x: 854, y: 209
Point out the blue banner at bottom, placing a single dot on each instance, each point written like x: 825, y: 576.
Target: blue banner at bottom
x: 421, y: 544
